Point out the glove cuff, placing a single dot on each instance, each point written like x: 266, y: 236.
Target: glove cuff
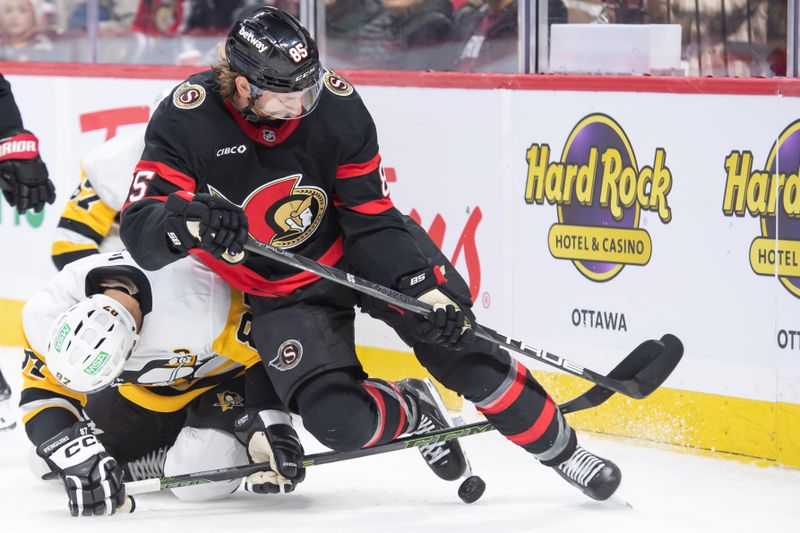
x: 178, y: 202
x: 23, y: 145
x: 422, y: 281
x: 263, y: 419
x: 271, y: 417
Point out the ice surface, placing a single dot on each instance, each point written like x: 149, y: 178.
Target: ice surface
x: 670, y: 491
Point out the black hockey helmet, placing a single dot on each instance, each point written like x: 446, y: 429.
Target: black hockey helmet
x: 273, y: 51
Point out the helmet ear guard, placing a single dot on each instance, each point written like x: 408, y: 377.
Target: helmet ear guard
x: 90, y: 344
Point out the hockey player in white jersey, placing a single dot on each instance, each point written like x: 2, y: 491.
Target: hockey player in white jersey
x: 123, y: 379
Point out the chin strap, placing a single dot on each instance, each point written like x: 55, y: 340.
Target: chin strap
x: 248, y: 113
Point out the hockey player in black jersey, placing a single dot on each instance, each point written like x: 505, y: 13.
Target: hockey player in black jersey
x: 272, y: 145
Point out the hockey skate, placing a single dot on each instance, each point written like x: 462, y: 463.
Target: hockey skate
x: 596, y: 477
x: 7, y: 420
x: 446, y: 459
x: 148, y: 466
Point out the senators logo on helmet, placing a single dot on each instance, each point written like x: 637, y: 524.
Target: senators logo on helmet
x: 282, y: 213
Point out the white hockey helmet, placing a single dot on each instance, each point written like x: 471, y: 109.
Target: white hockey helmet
x: 90, y: 343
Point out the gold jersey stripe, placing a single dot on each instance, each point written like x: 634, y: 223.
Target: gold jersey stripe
x: 65, y: 247
x: 228, y: 343
x: 99, y: 216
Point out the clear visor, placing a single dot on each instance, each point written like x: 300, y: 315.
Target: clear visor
x: 286, y: 106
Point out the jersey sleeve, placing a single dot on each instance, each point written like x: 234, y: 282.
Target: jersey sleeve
x: 10, y: 119
x: 164, y: 168
x: 376, y: 239
x: 87, y: 218
x: 47, y: 406
x: 84, y: 223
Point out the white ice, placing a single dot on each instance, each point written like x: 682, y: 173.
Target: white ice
x: 670, y: 491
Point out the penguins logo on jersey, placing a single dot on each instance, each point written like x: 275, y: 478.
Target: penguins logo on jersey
x: 337, y: 85
x: 282, y: 213
x: 228, y: 400
x: 289, y: 355
x: 189, y: 96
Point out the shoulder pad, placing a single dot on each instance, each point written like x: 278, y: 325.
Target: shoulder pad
x: 336, y: 84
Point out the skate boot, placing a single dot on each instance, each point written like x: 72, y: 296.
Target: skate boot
x: 446, y: 459
x: 596, y: 477
x: 7, y: 420
x: 147, y: 466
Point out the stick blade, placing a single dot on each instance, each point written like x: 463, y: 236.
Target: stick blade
x: 644, y: 369
x: 656, y: 373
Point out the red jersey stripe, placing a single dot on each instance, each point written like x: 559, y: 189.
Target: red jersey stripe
x: 246, y: 280
x: 353, y: 170
x: 175, y: 177
x: 373, y: 208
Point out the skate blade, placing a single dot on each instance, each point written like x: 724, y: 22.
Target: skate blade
x: 618, y: 501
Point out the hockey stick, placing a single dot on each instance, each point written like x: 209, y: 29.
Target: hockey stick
x: 234, y: 472
x: 637, y: 376
x: 144, y: 486
x: 586, y: 400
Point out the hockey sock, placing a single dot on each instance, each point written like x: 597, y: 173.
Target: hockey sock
x: 522, y: 411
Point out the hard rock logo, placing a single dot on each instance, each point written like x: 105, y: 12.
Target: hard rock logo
x: 773, y: 196
x: 600, y: 191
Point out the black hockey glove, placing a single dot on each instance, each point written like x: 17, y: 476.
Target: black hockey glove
x: 271, y: 438
x: 448, y: 325
x: 92, y: 478
x: 23, y: 174
x: 207, y: 222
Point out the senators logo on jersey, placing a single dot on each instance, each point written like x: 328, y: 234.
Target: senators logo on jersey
x: 282, y: 213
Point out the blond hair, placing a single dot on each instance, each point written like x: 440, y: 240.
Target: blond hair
x: 224, y: 75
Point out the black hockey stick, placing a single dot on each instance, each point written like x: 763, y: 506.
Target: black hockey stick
x: 637, y: 376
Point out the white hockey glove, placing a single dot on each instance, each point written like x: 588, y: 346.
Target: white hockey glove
x: 448, y: 324
x: 92, y: 478
x: 271, y: 438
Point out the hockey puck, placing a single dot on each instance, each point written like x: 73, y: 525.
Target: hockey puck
x: 471, y: 489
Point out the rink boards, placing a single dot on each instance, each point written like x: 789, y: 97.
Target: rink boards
x: 587, y: 215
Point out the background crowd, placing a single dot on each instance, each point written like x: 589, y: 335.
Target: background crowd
x: 719, y: 37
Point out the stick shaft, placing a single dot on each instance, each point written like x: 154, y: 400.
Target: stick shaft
x: 385, y: 294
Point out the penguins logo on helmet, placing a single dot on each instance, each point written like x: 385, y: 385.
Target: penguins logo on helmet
x: 189, y: 96
x: 337, y: 85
